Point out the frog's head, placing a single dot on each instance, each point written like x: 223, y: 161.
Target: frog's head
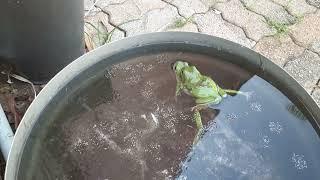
x: 178, y: 65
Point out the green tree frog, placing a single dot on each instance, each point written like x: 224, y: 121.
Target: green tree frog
x: 202, y: 88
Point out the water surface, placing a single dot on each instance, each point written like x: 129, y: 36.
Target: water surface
x: 124, y: 123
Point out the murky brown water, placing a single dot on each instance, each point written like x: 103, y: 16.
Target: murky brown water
x: 135, y: 131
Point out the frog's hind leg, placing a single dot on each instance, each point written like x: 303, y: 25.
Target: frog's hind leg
x: 198, y: 121
x: 246, y: 94
x: 206, y: 102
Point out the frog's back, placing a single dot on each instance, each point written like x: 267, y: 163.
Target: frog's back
x: 190, y: 75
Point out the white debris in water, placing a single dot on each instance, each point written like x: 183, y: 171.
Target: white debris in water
x: 144, y: 116
x: 256, y: 107
x: 155, y: 119
x: 299, y: 161
x: 275, y: 127
x: 162, y: 58
x: 79, y: 145
x: 231, y: 117
x: 113, y: 145
x: 148, y: 68
x: 147, y: 91
x: 182, y: 177
x: 166, y: 172
x: 133, y: 80
x: 265, y: 141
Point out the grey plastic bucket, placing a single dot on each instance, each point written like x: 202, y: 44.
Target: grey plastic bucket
x: 89, y: 64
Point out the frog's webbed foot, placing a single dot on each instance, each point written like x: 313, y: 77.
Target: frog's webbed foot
x: 198, y: 121
x: 248, y: 94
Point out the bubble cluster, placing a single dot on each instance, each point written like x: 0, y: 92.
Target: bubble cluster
x: 255, y: 106
x: 275, y: 127
x: 266, y: 141
x: 298, y: 161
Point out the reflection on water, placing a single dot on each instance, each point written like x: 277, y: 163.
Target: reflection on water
x: 259, y: 139
x: 124, y: 123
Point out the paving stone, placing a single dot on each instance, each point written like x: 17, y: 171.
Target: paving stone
x: 296, y: 7
x: 270, y: 10
x: 254, y: 24
x: 305, y: 69
x: 105, y: 3
x: 315, y: 3
x: 188, y: 7
x: 153, y: 21
x: 316, y: 96
x: 213, y: 24
x: 315, y: 46
x: 147, y: 5
x: 97, y: 28
x: 123, y: 12
x: 308, y: 30
x: 88, y: 4
x: 278, y: 49
x: 211, y: 3
x: 159, y: 19
x: 135, y: 27
x: 189, y: 27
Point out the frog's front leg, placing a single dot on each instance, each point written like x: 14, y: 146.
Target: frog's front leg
x: 198, y: 121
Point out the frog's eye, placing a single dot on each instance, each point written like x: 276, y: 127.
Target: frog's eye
x: 173, y: 66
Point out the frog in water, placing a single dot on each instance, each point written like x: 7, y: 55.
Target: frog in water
x: 202, y: 88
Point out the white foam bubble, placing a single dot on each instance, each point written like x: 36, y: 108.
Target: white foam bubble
x: 266, y: 141
x: 256, y: 106
x: 232, y: 117
x: 298, y: 161
x: 275, y: 127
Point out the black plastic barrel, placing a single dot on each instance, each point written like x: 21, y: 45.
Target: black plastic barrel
x: 41, y: 36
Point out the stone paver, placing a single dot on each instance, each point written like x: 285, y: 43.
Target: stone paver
x: 97, y: 29
x: 253, y: 24
x: 316, y: 96
x: 88, y: 4
x: 315, y: 3
x: 160, y: 19
x: 135, y: 27
x: 147, y: 5
x: 279, y: 50
x: 153, y: 21
x: 104, y: 3
x: 124, y: 12
x: 305, y: 69
x: 270, y: 10
x: 221, y: 28
x: 211, y: 3
x: 315, y: 46
x: 307, y: 31
x: 297, y: 7
x: 247, y: 22
x: 189, y: 27
x: 188, y: 7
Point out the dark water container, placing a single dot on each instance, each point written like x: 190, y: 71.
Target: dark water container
x: 41, y: 37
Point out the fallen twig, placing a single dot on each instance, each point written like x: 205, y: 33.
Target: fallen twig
x: 12, y: 107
